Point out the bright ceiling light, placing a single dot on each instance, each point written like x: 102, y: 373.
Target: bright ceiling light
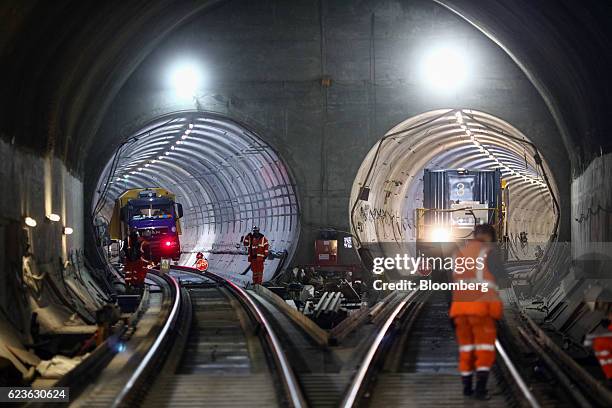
x: 68, y: 231
x: 185, y: 79
x: 29, y: 221
x: 441, y: 234
x: 444, y: 69
x: 53, y: 217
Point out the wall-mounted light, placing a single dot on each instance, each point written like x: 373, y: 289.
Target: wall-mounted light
x: 445, y: 68
x: 29, y: 221
x: 68, y: 230
x: 53, y: 217
x: 185, y: 77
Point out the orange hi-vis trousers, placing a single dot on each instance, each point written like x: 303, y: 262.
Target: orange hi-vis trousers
x: 476, y: 337
x: 257, y: 267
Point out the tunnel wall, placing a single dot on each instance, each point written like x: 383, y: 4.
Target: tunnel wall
x: 54, y: 282
x: 265, y: 68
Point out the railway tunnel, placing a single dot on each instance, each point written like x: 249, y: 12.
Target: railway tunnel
x: 315, y: 121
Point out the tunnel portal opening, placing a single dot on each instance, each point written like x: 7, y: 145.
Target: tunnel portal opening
x: 387, y: 197
x: 226, y: 178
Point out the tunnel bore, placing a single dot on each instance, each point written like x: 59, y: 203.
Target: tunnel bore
x: 392, y: 177
x: 224, y: 175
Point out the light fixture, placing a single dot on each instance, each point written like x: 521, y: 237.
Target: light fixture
x: 29, y: 221
x: 184, y: 137
x: 171, y: 147
x: 191, y: 126
x: 68, y: 231
x: 188, y: 131
x: 441, y: 234
x: 160, y: 157
x: 167, y: 153
x: 444, y: 68
x: 185, y: 78
x: 53, y: 217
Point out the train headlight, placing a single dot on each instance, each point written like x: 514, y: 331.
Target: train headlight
x: 441, y: 234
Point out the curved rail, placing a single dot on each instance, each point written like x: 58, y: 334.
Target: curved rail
x: 289, y: 380
x: 149, y: 357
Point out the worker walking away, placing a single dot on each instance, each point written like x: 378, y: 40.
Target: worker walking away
x: 475, y: 312
x: 601, y: 342
x: 258, y: 249
x: 201, y: 263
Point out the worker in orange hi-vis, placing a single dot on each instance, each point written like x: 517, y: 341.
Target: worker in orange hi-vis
x: 601, y: 342
x: 475, y: 312
x: 258, y: 250
x: 201, y: 263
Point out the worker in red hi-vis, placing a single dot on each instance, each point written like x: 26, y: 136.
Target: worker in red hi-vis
x: 475, y: 312
x: 201, y: 263
x: 258, y: 249
x: 601, y: 342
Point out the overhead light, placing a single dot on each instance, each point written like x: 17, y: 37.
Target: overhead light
x: 191, y: 126
x: 160, y: 157
x: 444, y: 68
x: 171, y: 147
x: 188, y: 131
x: 140, y: 168
x: 184, y: 137
x: 53, y: 217
x: 154, y: 161
x: 147, y: 165
x: 168, y: 153
x: 29, y: 221
x: 185, y: 78
x: 68, y: 231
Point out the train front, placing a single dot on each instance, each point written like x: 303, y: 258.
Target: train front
x: 454, y: 202
x: 156, y: 220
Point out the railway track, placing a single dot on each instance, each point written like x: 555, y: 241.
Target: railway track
x: 221, y: 352
x: 218, y: 347
x: 412, y: 363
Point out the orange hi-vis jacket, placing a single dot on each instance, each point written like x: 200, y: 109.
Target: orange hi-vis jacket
x: 476, y: 302
x: 258, y: 247
x: 602, y: 347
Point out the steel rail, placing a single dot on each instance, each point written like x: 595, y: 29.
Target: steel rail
x: 358, y: 381
x: 356, y: 386
x: 290, y: 382
x: 527, y: 394
x: 140, y: 370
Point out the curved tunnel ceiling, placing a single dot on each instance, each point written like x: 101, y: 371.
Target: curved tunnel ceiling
x: 225, y: 176
x: 449, y: 139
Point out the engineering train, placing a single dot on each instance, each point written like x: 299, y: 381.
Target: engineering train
x: 155, y: 214
x: 454, y: 202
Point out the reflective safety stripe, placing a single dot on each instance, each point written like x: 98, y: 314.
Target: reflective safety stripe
x: 467, y: 347
x: 604, y: 362
x: 262, y: 255
x: 602, y: 353
x: 488, y: 347
x: 480, y: 270
x: 595, y: 335
x: 465, y: 373
x: 483, y: 368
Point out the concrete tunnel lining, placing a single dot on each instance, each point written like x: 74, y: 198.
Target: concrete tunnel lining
x: 439, y: 140
x: 227, y: 178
